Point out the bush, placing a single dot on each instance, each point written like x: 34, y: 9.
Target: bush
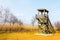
x: 10, y: 27
x: 57, y: 25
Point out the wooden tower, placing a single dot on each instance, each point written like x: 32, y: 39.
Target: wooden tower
x: 44, y: 23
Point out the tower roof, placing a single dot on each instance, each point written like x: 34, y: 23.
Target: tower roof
x: 42, y: 10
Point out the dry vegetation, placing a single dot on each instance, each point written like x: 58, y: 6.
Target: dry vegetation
x: 26, y: 32
x: 10, y: 27
x: 28, y: 36
x: 57, y: 25
x: 16, y: 27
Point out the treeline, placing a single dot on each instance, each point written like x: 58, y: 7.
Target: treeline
x: 6, y: 16
x: 8, y: 21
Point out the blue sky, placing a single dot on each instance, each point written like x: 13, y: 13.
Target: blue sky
x: 26, y: 9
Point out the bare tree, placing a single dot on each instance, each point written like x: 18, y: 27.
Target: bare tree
x: 9, y: 18
x: 57, y: 25
x: 20, y: 22
x: 6, y: 15
x: 13, y: 19
x: 33, y: 20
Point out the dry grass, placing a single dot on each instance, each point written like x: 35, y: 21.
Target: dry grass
x: 16, y: 27
x: 28, y: 36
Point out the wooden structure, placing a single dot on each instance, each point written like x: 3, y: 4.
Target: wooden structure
x: 44, y: 23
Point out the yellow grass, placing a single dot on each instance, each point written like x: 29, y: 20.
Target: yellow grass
x: 27, y: 35
x: 30, y: 27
